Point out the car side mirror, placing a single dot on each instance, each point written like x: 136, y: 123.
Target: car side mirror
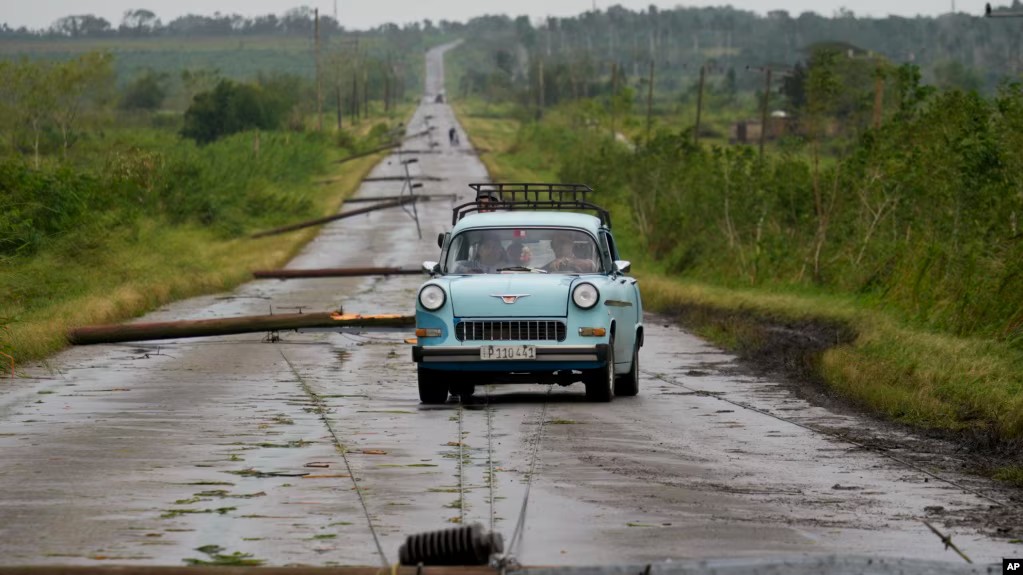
x: 431, y: 267
x: 623, y: 266
x: 440, y: 239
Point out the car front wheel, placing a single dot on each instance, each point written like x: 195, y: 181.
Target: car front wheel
x: 433, y: 386
x: 600, y: 382
x: 628, y: 384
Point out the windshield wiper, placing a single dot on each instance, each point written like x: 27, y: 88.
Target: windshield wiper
x: 521, y: 269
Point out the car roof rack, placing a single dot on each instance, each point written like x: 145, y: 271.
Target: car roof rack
x: 530, y: 196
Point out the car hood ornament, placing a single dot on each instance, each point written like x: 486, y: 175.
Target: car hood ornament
x: 510, y: 298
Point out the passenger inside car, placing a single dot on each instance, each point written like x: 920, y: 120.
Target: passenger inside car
x: 488, y: 257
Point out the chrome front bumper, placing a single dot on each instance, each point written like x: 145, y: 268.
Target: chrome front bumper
x: 544, y: 354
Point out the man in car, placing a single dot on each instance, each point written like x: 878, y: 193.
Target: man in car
x: 565, y: 259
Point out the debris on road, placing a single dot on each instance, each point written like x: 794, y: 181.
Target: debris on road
x: 91, y: 335
x: 327, y: 219
x: 333, y: 273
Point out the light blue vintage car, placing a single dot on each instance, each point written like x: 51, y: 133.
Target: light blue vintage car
x: 529, y: 289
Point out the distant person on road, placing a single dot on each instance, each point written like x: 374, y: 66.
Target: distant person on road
x: 453, y: 136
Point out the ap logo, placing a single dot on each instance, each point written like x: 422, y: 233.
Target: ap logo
x: 1012, y: 566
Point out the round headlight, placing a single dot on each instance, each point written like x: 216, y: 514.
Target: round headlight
x: 432, y: 297
x: 585, y: 295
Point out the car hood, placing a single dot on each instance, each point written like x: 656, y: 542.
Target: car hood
x: 540, y: 295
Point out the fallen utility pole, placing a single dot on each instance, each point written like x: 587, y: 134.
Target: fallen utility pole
x: 420, y: 198
x: 324, y: 220
x: 333, y: 273
x: 402, y: 178
x: 369, y: 153
x: 91, y: 335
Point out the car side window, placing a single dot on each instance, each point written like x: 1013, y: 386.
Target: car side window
x: 610, y: 248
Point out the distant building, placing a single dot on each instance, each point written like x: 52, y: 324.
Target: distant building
x: 748, y: 131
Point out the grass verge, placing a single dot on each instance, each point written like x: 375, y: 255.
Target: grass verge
x: 127, y: 270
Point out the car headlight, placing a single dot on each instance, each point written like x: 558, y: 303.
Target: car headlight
x: 432, y: 297
x: 585, y: 295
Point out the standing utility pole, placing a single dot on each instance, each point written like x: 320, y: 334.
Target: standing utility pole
x: 319, y: 84
x: 878, y: 96
x: 340, y: 111
x: 649, y: 100
x: 540, y: 95
x: 355, y: 97
x: 699, y: 105
x: 614, y: 92
x: 764, y: 112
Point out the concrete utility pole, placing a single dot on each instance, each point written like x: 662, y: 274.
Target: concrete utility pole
x: 764, y: 113
x: 355, y: 97
x: 878, y: 97
x: 540, y: 100
x: 614, y: 92
x: 340, y: 111
x: 650, y: 100
x: 319, y: 83
x: 699, y: 104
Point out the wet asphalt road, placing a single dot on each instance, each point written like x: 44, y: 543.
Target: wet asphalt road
x: 141, y: 454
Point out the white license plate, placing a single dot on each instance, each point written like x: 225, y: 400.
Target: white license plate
x: 507, y: 352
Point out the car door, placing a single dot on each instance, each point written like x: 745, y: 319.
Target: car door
x: 621, y: 303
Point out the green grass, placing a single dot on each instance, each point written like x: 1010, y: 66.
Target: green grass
x: 924, y: 379
x: 495, y: 135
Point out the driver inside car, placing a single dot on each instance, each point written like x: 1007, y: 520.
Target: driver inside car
x: 565, y: 259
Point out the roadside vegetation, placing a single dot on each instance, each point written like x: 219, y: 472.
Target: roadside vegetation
x: 112, y: 204
x: 885, y: 205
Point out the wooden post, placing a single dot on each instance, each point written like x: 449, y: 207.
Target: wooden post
x: 324, y: 220
x: 764, y: 113
x: 340, y: 112
x: 319, y: 83
x: 228, y: 326
x: 355, y: 97
x: 650, y: 101
x: 333, y: 273
x: 699, y: 105
x: 878, y: 97
x: 614, y: 91
x: 540, y: 94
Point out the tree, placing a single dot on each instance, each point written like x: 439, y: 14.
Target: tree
x: 139, y: 22
x: 146, y: 92
x: 81, y: 25
x: 231, y: 108
x: 26, y: 97
x: 80, y: 85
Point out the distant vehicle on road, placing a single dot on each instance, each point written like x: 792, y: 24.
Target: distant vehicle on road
x: 529, y: 289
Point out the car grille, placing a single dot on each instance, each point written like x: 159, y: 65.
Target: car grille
x: 510, y: 330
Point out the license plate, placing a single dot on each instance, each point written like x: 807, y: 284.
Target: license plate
x: 507, y: 352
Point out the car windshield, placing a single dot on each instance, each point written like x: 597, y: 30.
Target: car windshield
x: 523, y: 250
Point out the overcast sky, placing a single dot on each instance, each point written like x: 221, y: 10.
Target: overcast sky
x: 362, y: 14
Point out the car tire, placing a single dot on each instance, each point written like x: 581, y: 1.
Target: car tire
x: 433, y: 389
x: 600, y: 382
x: 628, y: 384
